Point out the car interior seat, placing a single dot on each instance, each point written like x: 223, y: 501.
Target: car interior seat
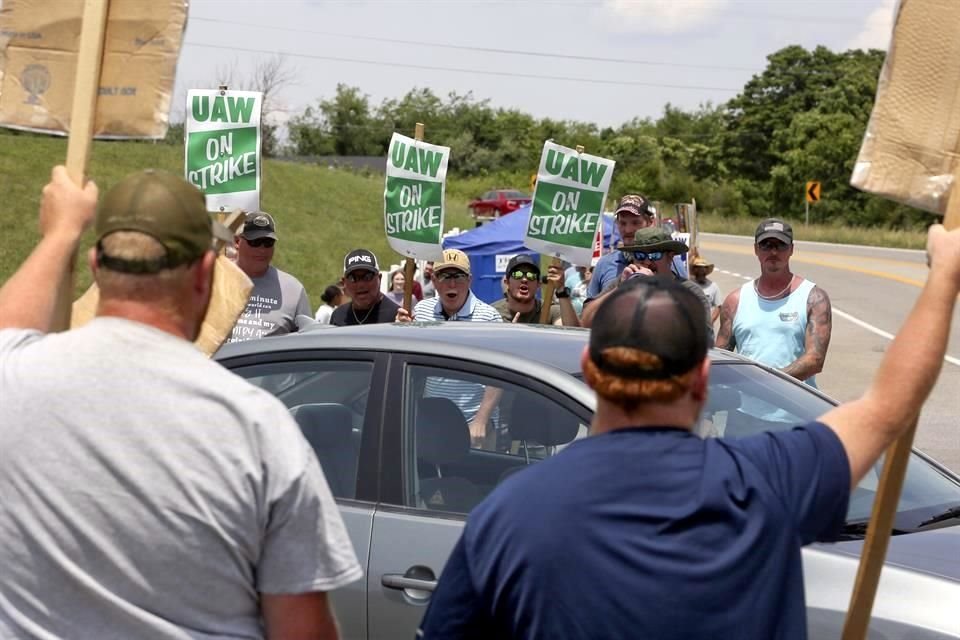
x: 443, y: 439
x: 537, y: 421
x: 328, y: 427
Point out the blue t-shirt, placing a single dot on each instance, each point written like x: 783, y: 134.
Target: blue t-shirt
x: 647, y: 533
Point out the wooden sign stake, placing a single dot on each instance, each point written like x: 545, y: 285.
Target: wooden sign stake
x: 82, y: 116
x: 548, y: 290
x: 410, y: 266
x: 885, y: 503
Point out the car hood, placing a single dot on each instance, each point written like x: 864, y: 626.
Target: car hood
x: 935, y: 552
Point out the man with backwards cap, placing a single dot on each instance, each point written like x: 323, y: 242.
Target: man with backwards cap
x: 779, y: 319
x: 278, y: 303
x: 361, y: 280
x: 148, y: 492
x: 644, y: 529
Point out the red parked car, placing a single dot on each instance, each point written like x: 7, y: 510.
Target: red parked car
x: 495, y: 203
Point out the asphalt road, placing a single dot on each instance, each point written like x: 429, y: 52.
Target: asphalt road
x: 872, y: 291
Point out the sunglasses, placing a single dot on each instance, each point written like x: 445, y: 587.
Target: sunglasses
x: 446, y: 276
x: 262, y: 242
x: 366, y: 276
x: 520, y: 275
x: 771, y: 245
x: 640, y: 256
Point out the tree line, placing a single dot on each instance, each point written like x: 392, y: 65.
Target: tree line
x: 802, y: 118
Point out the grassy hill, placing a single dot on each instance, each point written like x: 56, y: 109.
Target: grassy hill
x: 321, y: 213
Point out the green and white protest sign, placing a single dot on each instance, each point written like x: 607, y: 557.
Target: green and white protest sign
x: 568, y: 203
x: 222, y: 142
x: 413, y: 197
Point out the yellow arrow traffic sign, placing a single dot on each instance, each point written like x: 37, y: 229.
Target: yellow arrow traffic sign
x: 813, y: 192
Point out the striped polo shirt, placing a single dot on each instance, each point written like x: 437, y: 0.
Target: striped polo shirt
x: 473, y: 310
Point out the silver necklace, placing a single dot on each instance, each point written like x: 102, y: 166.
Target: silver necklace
x: 775, y: 296
x: 358, y: 320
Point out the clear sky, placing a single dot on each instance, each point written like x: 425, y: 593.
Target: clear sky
x: 602, y: 61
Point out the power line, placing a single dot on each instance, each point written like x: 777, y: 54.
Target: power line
x: 441, y: 45
x: 484, y: 72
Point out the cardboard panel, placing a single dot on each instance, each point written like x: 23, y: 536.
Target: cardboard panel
x: 38, y: 52
x: 911, y: 145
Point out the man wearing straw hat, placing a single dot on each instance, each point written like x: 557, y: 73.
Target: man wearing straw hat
x: 700, y: 269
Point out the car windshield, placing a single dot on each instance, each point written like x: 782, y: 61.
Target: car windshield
x: 745, y: 399
x: 514, y: 194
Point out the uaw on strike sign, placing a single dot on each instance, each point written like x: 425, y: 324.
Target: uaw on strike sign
x: 223, y: 147
x: 568, y: 203
x: 413, y: 197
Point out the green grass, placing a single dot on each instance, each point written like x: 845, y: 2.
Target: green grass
x: 820, y: 232
x: 321, y: 213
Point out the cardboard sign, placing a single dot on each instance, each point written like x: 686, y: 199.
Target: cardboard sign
x: 413, y: 198
x: 568, y: 203
x: 38, y: 61
x: 910, y: 148
x: 222, y: 142
x: 231, y: 288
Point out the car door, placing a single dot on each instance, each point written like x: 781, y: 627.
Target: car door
x: 433, y: 473
x: 336, y: 398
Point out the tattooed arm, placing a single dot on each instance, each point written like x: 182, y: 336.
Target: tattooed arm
x: 819, y: 325
x: 728, y: 310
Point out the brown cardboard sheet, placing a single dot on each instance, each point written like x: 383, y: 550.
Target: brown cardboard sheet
x: 38, y: 56
x: 912, y: 142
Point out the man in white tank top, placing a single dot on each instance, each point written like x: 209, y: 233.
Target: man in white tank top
x: 779, y: 319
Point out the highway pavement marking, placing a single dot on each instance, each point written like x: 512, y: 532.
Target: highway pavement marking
x: 831, y: 264
x: 855, y: 320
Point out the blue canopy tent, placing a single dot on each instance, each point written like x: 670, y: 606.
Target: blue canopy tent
x: 491, y: 246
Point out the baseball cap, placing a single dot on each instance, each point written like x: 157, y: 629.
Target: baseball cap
x: 659, y: 317
x: 360, y: 259
x: 635, y: 204
x: 453, y: 259
x: 774, y: 228
x: 164, y: 207
x: 522, y: 259
x: 259, y: 224
x: 655, y: 239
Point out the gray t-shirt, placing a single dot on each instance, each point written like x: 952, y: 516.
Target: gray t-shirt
x: 149, y: 493
x: 275, y: 302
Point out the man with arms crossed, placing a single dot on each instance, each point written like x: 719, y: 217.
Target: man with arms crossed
x: 147, y: 492
x: 779, y: 319
x: 645, y: 530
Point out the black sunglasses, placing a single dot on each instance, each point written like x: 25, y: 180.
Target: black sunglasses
x: 366, y: 276
x: 262, y: 242
x: 771, y: 244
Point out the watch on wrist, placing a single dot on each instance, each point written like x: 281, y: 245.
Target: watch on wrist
x: 563, y: 293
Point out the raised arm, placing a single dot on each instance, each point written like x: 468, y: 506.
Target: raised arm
x: 28, y: 299
x: 817, y: 337
x: 728, y: 310
x: 910, y: 367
